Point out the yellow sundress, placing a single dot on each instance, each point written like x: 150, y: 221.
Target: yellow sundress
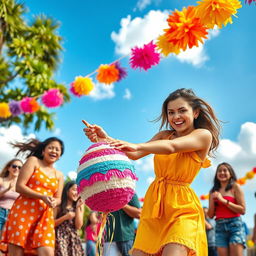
x: 172, y: 213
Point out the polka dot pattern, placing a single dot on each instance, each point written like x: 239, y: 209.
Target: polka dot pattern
x: 30, y: 223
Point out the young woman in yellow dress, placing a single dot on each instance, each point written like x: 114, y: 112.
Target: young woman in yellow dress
x: 172, y: 219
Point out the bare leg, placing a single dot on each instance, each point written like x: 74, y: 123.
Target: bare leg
x: 45, y: 251
x: 236, y: 249
x: 15, y: 250
x: 175, y: 250
x: 222, y: 251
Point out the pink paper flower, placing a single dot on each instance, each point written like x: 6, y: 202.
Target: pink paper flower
x: 52, y: 98
x: 72, y: 90
x: 29, y: 105
x: 144, y: 57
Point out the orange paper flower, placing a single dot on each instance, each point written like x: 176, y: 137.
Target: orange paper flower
x: 241, y: 181
x: 165, y: 47
x: 250, y: 175
x: 4, y: 110
x: 217, y: 12
x: 34, y: 105
x: 107, y: 74
x: 82, y: 85
x: 186, y: 30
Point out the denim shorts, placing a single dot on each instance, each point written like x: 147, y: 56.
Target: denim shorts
x: 229, y: 231
x: 3, y: 216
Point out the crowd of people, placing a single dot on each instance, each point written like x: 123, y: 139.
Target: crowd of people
x: 40, y: 215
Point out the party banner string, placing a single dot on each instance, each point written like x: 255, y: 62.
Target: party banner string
x: 186, y: 29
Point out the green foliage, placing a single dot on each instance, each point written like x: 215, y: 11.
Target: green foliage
x: 29, y: 55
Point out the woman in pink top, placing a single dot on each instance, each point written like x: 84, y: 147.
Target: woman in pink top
x: 8, y: 178
x: 91, y: 233
x: 227, y: 204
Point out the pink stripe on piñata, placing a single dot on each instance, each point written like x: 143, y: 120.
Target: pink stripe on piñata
x: 105, y: 177
x: 110, y: 200
x: 98, y: 153
x: 96, y: 145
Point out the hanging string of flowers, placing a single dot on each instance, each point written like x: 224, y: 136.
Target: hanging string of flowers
x: 248, y: 176
x: 51, y: 98
x: 187, y: 28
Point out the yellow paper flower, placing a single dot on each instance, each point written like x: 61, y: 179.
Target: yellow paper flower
x: 250, y: 175
x: 82, y: 85
x: 216, y: 12
x: 165, y: 47
x: 4, y: 110
x: 107, y: 74
x: 186, y: 30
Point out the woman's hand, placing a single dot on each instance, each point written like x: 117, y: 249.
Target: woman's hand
x: 95, y: 133
x: 218, y: 195
x: 124, y: 145
x: 70, y: 215
x: 50, y: 201
x: 79, y: 203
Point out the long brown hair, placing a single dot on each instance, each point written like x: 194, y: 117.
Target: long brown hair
x: 5, y: 172
x: 232, y: 180
x: 206, y: 119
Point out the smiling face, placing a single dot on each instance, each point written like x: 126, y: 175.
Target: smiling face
x: 181, y: 116
x: 72, y: 193
x: 52, y: 152
x: 223, y: 174
x: 14, y: 168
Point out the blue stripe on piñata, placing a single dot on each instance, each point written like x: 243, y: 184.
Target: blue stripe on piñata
x: 104, y: 167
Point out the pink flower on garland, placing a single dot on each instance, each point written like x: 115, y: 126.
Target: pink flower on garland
x: 144, y: 57
x: 52, y: 98
x: 122, y: 71
x: 29, y: 105
x: 72, y: 90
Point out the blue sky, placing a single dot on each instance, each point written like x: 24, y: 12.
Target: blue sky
x: 222, y: 72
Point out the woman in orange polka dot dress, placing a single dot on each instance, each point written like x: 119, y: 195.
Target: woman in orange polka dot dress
x: 30, y: 224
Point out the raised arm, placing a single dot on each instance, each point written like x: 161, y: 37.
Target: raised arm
x: 239, y: 207
x: 96, y: 133
x: 197, y: 140
x: 79, y: 214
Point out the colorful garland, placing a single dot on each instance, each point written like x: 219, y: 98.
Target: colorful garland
x: 187, y: 28
x: 248, y: 176
x: 51, y: 99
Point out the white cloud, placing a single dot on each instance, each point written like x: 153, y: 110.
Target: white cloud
x: 142, y: 4
x: 140, y: 31
x: 241, y: 154
x: 102, y: 91
x: 195, y: 56
x: 145, y: 164
x: 57, y: 132
x: 7, y: 135
x: 72, y: 175
x: 127, y: 94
